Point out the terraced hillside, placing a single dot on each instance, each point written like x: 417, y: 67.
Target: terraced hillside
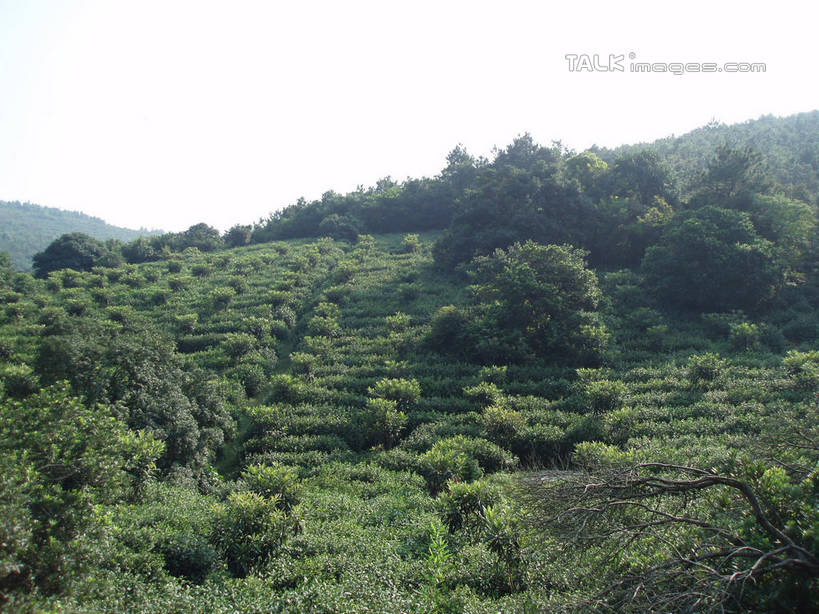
x: 365, y: 465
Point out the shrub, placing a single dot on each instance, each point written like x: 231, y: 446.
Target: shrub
x: 410, y: 243
x: 189, y: 556
x: 703, y: 368
x: 274, y: 481
x: 604, y: 396
x: 286, y: 388
x: 503, y: 425
x: 179, y: 282
x: 220, y: 298
x: 803, y: 368
x: 250, y: 530
x: 745, y: 336
x: 321, y: 326
x: 383, y: 422
x: 483, y: 394
x: 463, y: 459
x: 462, y: 505
x: 236, y: 345
x: 494, y: 374
x: 239, y: 285
x: 19, y: 380
x: 186, y: 323
x: 252, y: 377
x: 409, y: 292
x: 398, y: 323
x: 404, y: 392
x: 201, y: 269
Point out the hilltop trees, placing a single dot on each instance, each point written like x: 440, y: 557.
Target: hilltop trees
x: 74, y: 250
x: 712, y: 259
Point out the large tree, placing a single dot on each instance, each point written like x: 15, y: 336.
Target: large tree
x: 712, y: 259
x: 542, y: 297
x: 75, y: 250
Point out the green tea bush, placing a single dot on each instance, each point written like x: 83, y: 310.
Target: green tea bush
x: 274, y: 481
x: 604, y: 396
x: 250, y: 530
x: 745, y: 336
x: 410, y: 243
x: 704, y: 368
x: 405, y: 392
x: 462, y: 504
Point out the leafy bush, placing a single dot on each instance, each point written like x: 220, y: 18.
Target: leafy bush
x: 604, y: 396
x: 405, y: 393
x: 463, y: 504
x: 383, y: 422
x: 250, y: 530
x: 463, y: 459
x: 19, y: 381
x: 237, y: 345
x: 410, y: 243
x: 745, y: 336
x: 274, y: 481
x: 189, y: 556
x: 704, y: 368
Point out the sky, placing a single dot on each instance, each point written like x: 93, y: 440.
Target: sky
x: 163, y: 114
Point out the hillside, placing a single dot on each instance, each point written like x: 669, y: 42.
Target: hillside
x: 389, y: 460
x: 783, y: 150
x: 26, y: 229
x: 789, y: 147
x: 575, y: 386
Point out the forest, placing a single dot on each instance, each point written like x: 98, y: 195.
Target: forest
x: 26, y: 229
x: 552, y: 381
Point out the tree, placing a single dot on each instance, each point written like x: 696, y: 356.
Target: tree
x: 139, y: 371
x: 682, y: 539
x: 201, y: 236
x: 74, y: 250
x: 732, y: 177
x: 712, y: 259
x: 238, y: 236
x: 544, y: 294
x: 643, y: 175
x: 60, y: 457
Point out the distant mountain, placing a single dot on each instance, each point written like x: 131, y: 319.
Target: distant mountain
x: 26, y: 229
x: 789, y: 147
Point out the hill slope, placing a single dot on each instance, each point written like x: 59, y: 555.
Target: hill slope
x: 361, y: 449
x: 26, y: 229
x: 789, y: 147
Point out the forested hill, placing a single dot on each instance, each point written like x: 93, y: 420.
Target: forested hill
x: 26, y: 229
x: 589, y: 389
x: 789, y: 147
x: 781, y: 152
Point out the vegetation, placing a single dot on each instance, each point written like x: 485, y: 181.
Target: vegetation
x: 560, y: 382
x: 26, y: 229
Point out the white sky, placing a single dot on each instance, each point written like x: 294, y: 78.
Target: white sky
x: 167, y: 113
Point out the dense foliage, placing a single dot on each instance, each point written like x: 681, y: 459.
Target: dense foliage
x: 26, y: 229
x: 605, y: 400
